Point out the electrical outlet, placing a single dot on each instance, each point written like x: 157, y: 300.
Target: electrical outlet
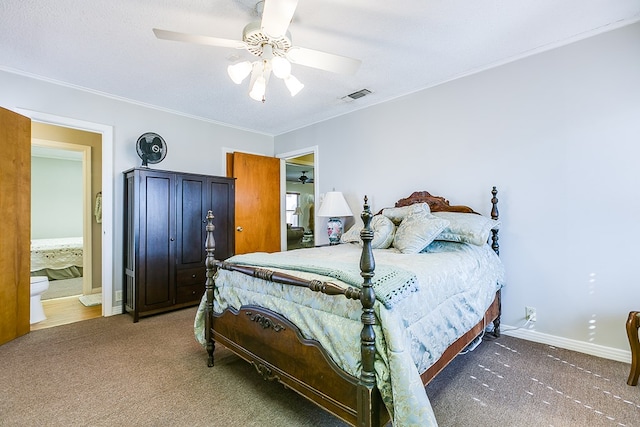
x: 530, y: 314
x: 118, y: 295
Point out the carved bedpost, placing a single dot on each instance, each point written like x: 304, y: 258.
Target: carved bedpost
x: 494, y: 215
x: 210, y: 247
x: 496, y: 248
x: 368, y: 404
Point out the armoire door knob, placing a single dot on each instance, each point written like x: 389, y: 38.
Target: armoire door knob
x: 239, y: 228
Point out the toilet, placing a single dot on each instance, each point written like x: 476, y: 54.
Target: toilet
x: 39, y: 284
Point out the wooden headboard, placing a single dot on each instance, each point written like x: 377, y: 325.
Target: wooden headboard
x: 436, y: 203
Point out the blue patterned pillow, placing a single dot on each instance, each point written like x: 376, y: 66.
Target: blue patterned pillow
x: 466, y: 227
x: 416, y: 231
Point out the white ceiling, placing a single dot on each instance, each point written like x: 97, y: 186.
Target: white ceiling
x: 404, y: 45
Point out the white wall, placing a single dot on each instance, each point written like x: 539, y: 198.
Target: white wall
x: 559, y: 135
x: 193, y: 145
x: 56, y: 198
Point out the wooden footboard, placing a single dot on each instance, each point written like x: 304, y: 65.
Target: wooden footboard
x: 279, y: 352
x: 292, y: 360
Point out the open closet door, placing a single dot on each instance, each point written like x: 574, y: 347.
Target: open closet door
x: 15, y: 226
x: 257, y: 202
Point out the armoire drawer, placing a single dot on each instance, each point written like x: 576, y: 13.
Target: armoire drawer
x: 189, y: 293
x: 191, y: 276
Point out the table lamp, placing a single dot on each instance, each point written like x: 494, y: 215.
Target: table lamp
x: 334, y: 206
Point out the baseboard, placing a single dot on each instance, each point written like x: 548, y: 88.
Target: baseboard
x: 117, y: 309
x: 567, y: 343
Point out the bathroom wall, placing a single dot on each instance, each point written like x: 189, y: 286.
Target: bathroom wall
x: 56, y: 198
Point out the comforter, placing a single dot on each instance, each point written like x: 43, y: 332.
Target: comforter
x: 454, y: 285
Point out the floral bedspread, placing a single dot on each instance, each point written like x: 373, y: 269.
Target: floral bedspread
x: 457, y: 283
x: 56, y: 253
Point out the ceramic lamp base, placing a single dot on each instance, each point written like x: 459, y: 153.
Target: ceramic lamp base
x: 334, y: 229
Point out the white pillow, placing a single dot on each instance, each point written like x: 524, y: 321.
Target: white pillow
x: 383, y: 232
x: 466, y: 227
x: 398, y: 214
x: 416, y: 231
x: 352, y: 235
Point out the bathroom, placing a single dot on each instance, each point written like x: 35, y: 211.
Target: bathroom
x: 65, y: 224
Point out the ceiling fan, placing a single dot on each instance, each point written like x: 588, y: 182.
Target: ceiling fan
x: 304, y: 178
x: 270, y: 41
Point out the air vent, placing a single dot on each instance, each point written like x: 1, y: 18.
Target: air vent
x: 356, y: 95
x: 359, y: 94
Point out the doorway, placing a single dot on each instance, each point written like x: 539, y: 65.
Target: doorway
x: 301, y: 178
x: 105, y: 258
x: 65, y: 234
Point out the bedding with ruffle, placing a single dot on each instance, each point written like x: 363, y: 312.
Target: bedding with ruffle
x: 56, y: 254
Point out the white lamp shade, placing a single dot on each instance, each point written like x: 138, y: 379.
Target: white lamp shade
x: 238, y: 72
x: 260, y: 72
x: 293, y: 85
x: 334, y: 205
x: 281, y: 67
x: 258, y: 89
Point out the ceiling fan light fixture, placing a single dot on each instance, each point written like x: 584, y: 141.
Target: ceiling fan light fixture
x: 258, y: 89
x: 281, y: 67
x: 293, y: 84
x: 238, y: 72
x: 261, y: 70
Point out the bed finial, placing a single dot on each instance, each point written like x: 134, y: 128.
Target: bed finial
x: 494, y: 215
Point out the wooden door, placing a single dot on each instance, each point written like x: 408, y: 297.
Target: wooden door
x: 157, y: 246
x: 196, y: 195
x: 191, y: 210
x: 257, y: 202
x: 15, y: 224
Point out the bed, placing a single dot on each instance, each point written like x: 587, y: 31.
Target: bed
x: 361, y: 342
x: 59, y: 258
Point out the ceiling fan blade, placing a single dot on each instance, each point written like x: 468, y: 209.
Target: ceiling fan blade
x: 323, y: 61
x: 277, y: 15
x: 192, y: 38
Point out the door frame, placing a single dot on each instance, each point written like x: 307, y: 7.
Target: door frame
x: 283, y: 186
x: 87, y: 245
x: 107, y: 195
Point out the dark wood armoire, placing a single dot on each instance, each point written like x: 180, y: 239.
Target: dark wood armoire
x: 164, y: 237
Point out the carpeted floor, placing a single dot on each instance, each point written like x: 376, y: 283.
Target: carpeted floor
x: 513, y: 382
x: 110, y: 371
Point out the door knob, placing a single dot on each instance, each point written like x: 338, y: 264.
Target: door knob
x: 239, y: 228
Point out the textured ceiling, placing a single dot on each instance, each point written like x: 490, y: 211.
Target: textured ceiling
x: 405, y: 46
